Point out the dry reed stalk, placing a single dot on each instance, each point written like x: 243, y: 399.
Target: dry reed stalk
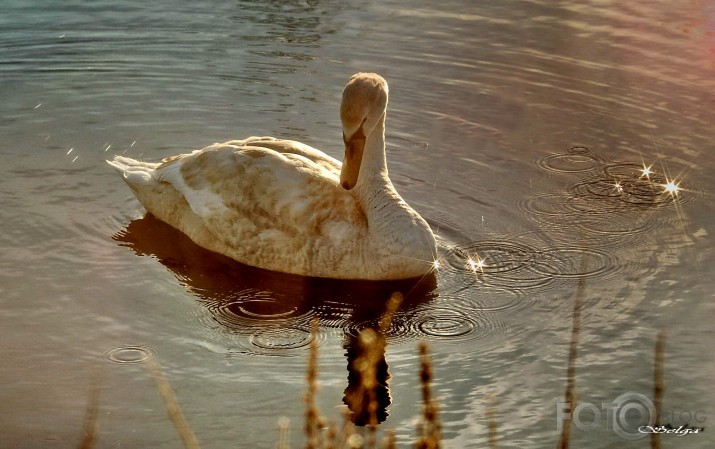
x: 368, y: 373
x: 355, y: 441
x: 429, y: 430
x: 390, y: 441
x: 331, y: 436
x: 491, y: 423
x: 348, y: 429
x: 391, y: 307
x: 312, y: 417
x: 361, y: 396
x: 172, y: 406
x: 373, y: 347
x: 371, y: 439
x: 89, y: 432
x: 658, y: 385
x: 283, y: 433
x: 569, y: 395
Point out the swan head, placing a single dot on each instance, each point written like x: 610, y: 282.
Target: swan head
x: 363, y: 107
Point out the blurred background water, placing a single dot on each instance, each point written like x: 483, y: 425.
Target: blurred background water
x: 518, y: 129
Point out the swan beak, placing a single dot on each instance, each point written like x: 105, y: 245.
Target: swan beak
x: 354, y: 147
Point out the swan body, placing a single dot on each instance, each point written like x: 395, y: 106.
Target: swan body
x: 285, y: 206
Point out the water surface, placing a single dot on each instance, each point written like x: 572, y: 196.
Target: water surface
x: 518, y: 130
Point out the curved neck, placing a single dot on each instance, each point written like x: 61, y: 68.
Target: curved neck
x: 374, y: 186
x: 395, y: 230
x: 373, y: 168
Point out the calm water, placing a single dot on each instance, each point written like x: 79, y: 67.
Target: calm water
x: 509, y: 128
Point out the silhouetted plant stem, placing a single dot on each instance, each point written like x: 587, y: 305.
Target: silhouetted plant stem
x: 658, y: 385
x: 491, y: 423
x: 569, y: 396
x: 311, y: 410
x: 89, y: 431
x: 172, y: 406
x: 429, y: 430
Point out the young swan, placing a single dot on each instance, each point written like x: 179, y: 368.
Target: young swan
x: 285, y: 206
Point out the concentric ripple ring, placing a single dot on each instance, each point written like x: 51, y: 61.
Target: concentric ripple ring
x: 130, y: 354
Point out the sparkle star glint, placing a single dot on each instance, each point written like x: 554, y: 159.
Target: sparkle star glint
x: 476, y: 264
x: 672, y: 187
x: 646, y: 171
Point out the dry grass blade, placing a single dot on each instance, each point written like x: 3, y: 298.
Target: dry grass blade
x: 331, y: 437
x: 370, y: 371
x: 172, y: 406
x: 391, y: 307
x: 283, y: 433
x: 89, y: 434
x: 492, y: 423
x: 658, y: 385
x: 363, y: 399
x: 569, y: 396
x: 312, y: 417
x: 348, y: 429
x: 368, y: 392
x: 429, y: 430
x: 390, y: 441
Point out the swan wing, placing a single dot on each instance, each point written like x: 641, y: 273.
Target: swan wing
x: 262, y: 193
x: 292, y: 147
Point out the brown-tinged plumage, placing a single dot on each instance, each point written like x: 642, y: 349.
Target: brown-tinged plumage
x: 285, y: 206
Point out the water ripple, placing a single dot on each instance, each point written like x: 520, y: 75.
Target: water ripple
x: 612, y: 205
x: 576, y: 160
x: 240, y: 335
x: 611, y: 193
x: 507, y: 264
x: 281, y: 339
x: 236, y: 315
x: 451, y: 320
x: 576, y: 262
x: 448, y: 323
x: 567, y: 218
x: 130, y: 354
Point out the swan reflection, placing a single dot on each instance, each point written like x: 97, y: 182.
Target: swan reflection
x: 274, y: 310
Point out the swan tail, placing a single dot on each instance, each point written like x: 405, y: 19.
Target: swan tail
x: 134, y: 172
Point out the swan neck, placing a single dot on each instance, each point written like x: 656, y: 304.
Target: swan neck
x: 374, y: 162
x: 374, y: 186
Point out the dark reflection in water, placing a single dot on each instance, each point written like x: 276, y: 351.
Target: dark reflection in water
x: 233, y: 291
x: 275, y: 309
x: 367, y: 403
